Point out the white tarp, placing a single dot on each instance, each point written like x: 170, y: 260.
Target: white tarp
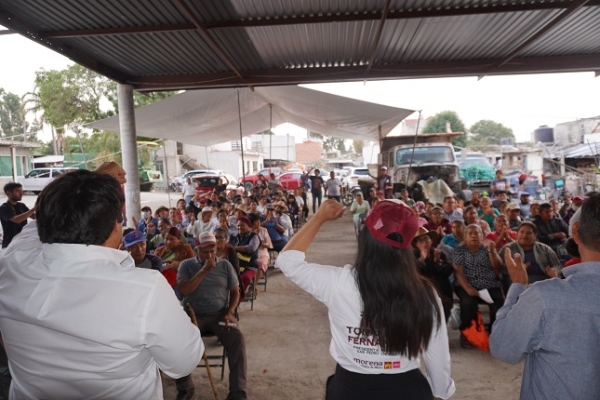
x: 207, y: 117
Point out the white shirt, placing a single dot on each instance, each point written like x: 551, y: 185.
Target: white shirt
x: 189, y: 189
x: 337, y: 289
x: 300, y: 201
x: 199, y: 227
x: 333, y: 187
x: 286, y: 222
x: 82, y: 322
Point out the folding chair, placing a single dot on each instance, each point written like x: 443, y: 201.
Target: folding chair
x: 190, y: 311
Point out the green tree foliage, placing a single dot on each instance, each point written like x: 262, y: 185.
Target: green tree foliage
x: 358, y: 146
x: 437, y: 124
x: 332, y: 143
x: 11, y: 118
x: 486, y: 132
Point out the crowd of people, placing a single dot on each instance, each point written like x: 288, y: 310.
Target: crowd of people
x: 74, y: 260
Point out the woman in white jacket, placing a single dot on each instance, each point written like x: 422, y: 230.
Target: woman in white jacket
x: 379, y: 319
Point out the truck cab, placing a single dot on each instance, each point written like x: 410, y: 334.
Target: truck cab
x: 426, y: 157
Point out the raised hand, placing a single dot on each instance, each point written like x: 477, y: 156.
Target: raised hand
x: 515, y: 267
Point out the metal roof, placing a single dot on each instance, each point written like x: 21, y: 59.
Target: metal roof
x: 183, y: 44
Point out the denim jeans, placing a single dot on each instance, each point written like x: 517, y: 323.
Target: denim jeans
x: 316, y: 196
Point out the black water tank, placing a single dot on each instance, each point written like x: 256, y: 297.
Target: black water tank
x: 543, y: 134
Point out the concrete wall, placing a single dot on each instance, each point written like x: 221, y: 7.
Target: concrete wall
x: 573, y: 132
x: 222, y: 157
x: 276, y: 147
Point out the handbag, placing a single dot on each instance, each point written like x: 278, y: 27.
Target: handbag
x: 477, y: 335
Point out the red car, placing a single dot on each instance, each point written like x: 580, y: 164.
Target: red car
x: 290, y: 180
x: 207, y: 183
x: 265, y: 172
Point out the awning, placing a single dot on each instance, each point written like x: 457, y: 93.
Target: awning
x: 584, y: 150
x: 207, y: 117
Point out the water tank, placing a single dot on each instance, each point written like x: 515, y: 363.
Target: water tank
x: 543, y: 134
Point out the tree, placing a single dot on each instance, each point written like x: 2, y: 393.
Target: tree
x: 486, y: 132
x: 11, y: 119
x: 437, y: 124
x: 358, y: 146
x: 332, y: 143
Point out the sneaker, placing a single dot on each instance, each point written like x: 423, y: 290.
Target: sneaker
x: 185, y: 394
x: 236, y: 396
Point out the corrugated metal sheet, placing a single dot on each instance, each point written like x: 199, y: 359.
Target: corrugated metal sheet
x: 472, y: 37
x: 578, y: 34
x: 474, y: 42
x: 583, y: 150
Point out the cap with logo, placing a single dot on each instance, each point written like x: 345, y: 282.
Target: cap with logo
x: 394, y: 223
x: 132, y: 238
x: 206, y: 239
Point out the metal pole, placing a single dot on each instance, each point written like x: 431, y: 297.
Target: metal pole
x: 129, y: 148
x: 241, y: 137
x: 81, y: 147
x: 166, y: 165
x: 413, y: 149
x: 13, y: 158
x: 270, y: 134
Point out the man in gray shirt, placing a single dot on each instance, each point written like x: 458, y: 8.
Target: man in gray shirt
x: 555, y: 324
x: 210, y: 285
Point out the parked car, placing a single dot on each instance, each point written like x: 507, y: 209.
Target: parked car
x: 37, y: 179
x: 181, y: 180
x: 355, y: 174
x: 290, y: 180
x: 252, y: 178
x: 208, y: 182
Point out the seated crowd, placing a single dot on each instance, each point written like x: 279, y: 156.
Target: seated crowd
x: 472, y: 236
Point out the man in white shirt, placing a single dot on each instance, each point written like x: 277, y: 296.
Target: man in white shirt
x: 77, y: 318
x: 188, y: 191
x: 333, y: 187
x: 203, y: 225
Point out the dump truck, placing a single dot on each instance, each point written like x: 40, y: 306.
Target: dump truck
x: 424, y: 158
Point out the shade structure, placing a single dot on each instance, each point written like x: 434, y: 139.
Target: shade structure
x: 207, y: 117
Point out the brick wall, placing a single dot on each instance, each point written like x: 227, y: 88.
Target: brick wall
x: 309, y: 150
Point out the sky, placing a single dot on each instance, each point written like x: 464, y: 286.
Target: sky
x: 520, y: 102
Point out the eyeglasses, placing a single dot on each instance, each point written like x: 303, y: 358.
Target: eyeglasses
x: 219, y: 237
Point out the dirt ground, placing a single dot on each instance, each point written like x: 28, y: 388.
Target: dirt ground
x: 287, y: 336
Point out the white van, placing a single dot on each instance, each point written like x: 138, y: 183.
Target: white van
x: 36, y: 180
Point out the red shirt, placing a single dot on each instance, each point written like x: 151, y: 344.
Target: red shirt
x: 573, y: 261
x: 446, y: 226
x: 493, y: 236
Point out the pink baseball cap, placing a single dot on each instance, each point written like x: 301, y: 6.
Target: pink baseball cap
x: 394, y: 223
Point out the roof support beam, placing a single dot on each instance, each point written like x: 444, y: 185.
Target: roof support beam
x: 320, y: 19
x: 208, y: 37
x: 377, y: 40
x: 575, y: 6
x: 293, y: 76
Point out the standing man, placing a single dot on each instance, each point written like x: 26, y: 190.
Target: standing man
x: 13, y: 213
x: 70, y: 303
x: 211, y: 287
x: 188, y: 191
x: 384, y: 182
x: 333, y: 188
x: 273, y: 184
x: 536, y: 320
x: 316, y: 190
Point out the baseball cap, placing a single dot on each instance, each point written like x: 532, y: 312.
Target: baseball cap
x: 513, y: 206
x: 133, y: 238
x: 207, y: 209
x: 244, y: 220
x: 206, y: 239
x: 379, y: 192
x: 524, y: 194
x: 383, y: 167
x: 578, y: 198
x: 394, y: 223
x: 359, y: 194
x: 270, y: 206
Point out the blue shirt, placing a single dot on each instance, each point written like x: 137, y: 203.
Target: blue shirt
x: 273, y: 232
x: 450, y: 240
x: 555, y: 325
